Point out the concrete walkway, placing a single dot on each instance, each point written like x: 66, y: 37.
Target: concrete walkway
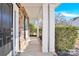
x: 34, y: 48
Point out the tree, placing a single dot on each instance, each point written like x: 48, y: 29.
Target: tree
x: 32, y: 28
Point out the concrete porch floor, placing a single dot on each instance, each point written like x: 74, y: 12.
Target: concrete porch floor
x: 34, y: 48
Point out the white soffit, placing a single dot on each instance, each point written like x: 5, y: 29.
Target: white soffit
x: 34, y: 10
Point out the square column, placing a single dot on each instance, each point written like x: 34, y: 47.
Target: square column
x: 48, y: 34
x: 45, y: 29
x: 51, y: 28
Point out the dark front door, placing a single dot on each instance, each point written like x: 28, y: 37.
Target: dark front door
x: 5, y: 28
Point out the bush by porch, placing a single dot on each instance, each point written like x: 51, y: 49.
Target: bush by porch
x: 65, y: 37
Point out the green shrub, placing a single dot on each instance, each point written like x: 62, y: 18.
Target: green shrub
x: 65, y: 37
x: 32, y: 28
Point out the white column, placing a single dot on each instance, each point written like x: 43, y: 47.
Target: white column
x: 37, y: 31
x: 52, y: 27
x: 38, y: 28
x: 45, y: 28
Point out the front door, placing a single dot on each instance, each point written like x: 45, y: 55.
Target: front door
x: 5, y: 28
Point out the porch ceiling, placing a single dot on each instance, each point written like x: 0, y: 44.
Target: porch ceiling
x: 34, y: 11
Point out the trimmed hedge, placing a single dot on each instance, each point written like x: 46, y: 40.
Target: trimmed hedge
x: 65, y: 37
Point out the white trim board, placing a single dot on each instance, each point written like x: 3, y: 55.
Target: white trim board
x: 15, y: 29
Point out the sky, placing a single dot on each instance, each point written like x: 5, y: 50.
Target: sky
x: 68, y: 9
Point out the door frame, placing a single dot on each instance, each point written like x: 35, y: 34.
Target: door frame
x: 15, y: 29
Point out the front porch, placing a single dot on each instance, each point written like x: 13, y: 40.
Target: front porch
x: 46, y: 46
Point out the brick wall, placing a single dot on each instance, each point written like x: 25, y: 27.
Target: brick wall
x: 21, y: 31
